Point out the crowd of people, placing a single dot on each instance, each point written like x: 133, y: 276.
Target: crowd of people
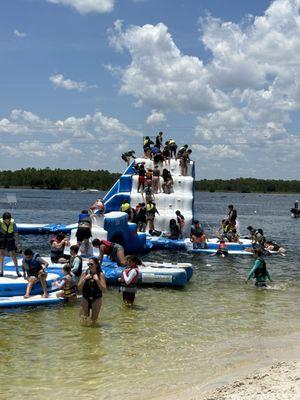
x: 91, y: 283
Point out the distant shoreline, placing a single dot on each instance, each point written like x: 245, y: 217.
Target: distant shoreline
x: 77, y: 179
x: 96, y: 189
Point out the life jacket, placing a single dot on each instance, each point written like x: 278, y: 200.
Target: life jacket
x: 198, y: 232
x: 70, y: 287
x: 84, y: 220
x: 32, y: 266
x: 134, y: 281
x: 150, y: 209
x: 7, y: 231
x: 125, y: 207
x: 172, y: 142
x: 261, y: 270
x: 108, y: 246
x: 79, y: 271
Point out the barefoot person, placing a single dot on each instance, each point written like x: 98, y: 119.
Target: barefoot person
x: 91, y: 284
x: 9, y: 240
x: 34, y: 271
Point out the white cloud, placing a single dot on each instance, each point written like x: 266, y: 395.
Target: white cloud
x: 19, y: 34
x: 244, y: 97
x: 156, y: 118
x: 87, y: 142
x: 61, y: 82
x: 88, y: 6
x: 159, y: 75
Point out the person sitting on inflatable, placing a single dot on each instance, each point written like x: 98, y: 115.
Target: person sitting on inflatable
x: 67, y: 285
x: 34, y: 270
x: 197, y: 236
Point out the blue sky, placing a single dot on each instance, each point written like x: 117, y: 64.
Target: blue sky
x: 83, y: 80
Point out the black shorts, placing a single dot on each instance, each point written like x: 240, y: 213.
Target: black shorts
x: 9, y: 245
x: 83, y: 233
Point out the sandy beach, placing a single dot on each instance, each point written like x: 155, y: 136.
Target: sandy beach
x: 280, y: 381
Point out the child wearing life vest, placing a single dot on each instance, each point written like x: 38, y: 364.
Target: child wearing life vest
x: 129, y: 279
x: 67, y: 285
x: 34, y: 270
x: 259, y: 270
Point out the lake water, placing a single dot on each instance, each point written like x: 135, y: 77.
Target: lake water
x: 171, y: 339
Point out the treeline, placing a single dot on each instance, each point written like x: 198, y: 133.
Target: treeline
x: 248, y: 185
x: 103, y: 180
x: 58, y: 178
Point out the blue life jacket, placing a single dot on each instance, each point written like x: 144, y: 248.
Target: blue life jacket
x: 33, y: 266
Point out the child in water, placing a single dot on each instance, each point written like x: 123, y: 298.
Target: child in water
x: 67, y: 285
x: 222, y: 249
x: 259, y: 270
x: 129, y: 279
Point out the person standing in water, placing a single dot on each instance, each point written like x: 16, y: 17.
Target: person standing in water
x: 129, y: 279
x: 91, y: 284
x: 259, y: 270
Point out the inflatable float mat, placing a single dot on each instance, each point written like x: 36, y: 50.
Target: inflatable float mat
x: 37, y: 300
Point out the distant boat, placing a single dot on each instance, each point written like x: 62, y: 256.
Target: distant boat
x: 90, y: 191
x: 295, y: 212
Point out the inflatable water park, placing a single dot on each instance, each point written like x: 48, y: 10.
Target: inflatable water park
x: 112, y: 223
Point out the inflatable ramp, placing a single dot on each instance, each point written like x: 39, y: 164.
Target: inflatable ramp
x: 181, y: 198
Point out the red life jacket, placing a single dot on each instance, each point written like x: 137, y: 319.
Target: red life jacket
x: 134, y: 280
x: 108, y: 246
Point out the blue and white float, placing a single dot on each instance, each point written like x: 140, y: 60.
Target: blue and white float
x: 32, y: 301
x: 11, y: 285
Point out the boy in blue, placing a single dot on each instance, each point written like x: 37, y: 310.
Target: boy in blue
x: 33, y: 271
x: 259, y: 270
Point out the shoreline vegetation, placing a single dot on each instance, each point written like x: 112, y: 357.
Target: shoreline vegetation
x: 78, y: 179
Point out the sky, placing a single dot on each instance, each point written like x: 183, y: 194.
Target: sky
x: 82, y: 81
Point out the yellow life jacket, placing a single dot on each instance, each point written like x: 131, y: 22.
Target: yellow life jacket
x: 7, y: 229
x: 171, y: 141
x: 125, y: 207
x: 150, y: 208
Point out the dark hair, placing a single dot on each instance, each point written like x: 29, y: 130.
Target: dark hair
x: 172, y: 222
x: 134, y: 258
x: 74, y: 248
x: 60, y: 236
x: 6, y: 215
x: 67, y: 267
x: 96, y: 261
x: 28, y: 252
x: 177, y: 212
x: 260, y: 231
x: 84, y: 212
x: 230, y: 206
x: 196, y: 221
x: 96, y: 242
x: 258, y: 251
x: 249, y: 228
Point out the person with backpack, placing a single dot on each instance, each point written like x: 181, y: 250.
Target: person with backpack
x: 259, y: 270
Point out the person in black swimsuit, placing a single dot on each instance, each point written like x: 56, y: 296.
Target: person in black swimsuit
x: 92, y: 283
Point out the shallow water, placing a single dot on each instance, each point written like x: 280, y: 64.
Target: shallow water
x: 171, y: 339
